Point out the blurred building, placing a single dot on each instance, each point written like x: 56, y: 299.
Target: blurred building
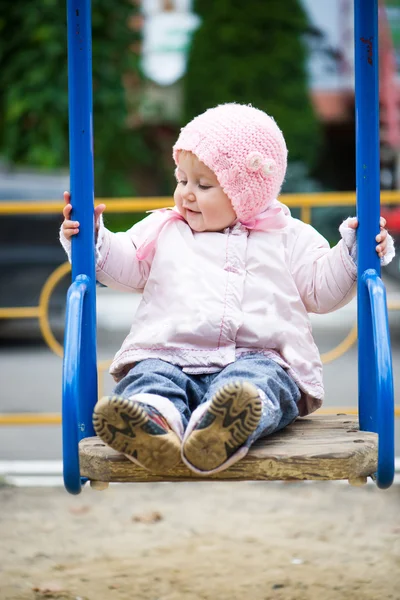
x: 167, y: 29
x: 331, y: 68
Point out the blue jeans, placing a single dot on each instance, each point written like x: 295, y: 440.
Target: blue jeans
x: 187, y: 392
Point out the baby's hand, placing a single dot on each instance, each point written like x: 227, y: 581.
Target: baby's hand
x: 381, y: 238
x: 71, y: 228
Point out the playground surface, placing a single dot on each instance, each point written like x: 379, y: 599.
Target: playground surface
x: 201, y: 541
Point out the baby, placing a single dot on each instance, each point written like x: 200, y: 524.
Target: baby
x: 220, y: 352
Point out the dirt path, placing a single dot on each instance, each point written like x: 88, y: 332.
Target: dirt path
x: 255, y: 541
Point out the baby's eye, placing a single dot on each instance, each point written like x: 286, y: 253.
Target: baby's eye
x: 204, y: 187
x: 182, y: 182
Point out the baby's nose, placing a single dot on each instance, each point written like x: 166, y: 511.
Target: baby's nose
x: 189, y: 195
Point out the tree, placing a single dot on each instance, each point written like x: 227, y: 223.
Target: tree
x: 33, y: 85
x: 254, y: 52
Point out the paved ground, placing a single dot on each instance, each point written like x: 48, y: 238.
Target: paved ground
x: 201, y: 541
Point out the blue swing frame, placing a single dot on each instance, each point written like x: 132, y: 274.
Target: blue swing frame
x: 376, y: 399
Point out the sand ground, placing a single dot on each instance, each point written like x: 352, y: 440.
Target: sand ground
x: 211, y: 541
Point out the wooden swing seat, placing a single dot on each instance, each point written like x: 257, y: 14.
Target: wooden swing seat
x: 317, y: 447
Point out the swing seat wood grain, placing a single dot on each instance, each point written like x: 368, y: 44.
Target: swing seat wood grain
x: 317, y: 447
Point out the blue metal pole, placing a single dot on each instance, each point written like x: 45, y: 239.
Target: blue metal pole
x: 368, y: 194
x: 82, y: 200
x: 375, y: 378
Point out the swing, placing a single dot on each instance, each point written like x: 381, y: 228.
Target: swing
x: 312, y: 448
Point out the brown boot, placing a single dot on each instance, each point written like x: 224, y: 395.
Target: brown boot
x: 137, y: 430
x: 231, y: 417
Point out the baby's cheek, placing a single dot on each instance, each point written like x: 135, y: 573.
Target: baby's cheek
x: 178, y: 202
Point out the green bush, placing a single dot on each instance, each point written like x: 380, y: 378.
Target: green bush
x: 254, y: 52
x: 33, y: 89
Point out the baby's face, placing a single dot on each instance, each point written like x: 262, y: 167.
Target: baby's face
x: 199, y: 197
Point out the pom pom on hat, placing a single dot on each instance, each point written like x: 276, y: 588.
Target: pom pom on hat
x: 245, y: 149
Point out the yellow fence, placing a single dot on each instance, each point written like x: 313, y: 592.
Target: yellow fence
x: 305, y: 202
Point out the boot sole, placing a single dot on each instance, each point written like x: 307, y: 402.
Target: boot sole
x: 234, y: 414
x: 120, y: 424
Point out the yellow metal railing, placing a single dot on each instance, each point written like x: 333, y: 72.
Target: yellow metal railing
x: 138, y: 205
x: 306, y: 202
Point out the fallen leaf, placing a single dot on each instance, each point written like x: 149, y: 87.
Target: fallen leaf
x: 50, y: 589
x: 150, y: 517
x: 79, y: 510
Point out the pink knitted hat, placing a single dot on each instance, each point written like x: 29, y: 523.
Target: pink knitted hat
x: 245, y: 149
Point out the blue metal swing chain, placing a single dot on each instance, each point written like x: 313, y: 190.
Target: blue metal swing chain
x: 80, y: 362
x: 375, y: 380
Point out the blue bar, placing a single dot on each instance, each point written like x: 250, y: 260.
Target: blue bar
x: 375, y: 379
x: 368, y: 193
x: 382, y: 366
x: 82, y: 200
x: 71, y: 369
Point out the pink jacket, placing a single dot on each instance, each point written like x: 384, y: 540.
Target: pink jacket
x: 210, y: 297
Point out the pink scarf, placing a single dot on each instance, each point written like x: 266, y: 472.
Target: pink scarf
x: 274, y: 217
